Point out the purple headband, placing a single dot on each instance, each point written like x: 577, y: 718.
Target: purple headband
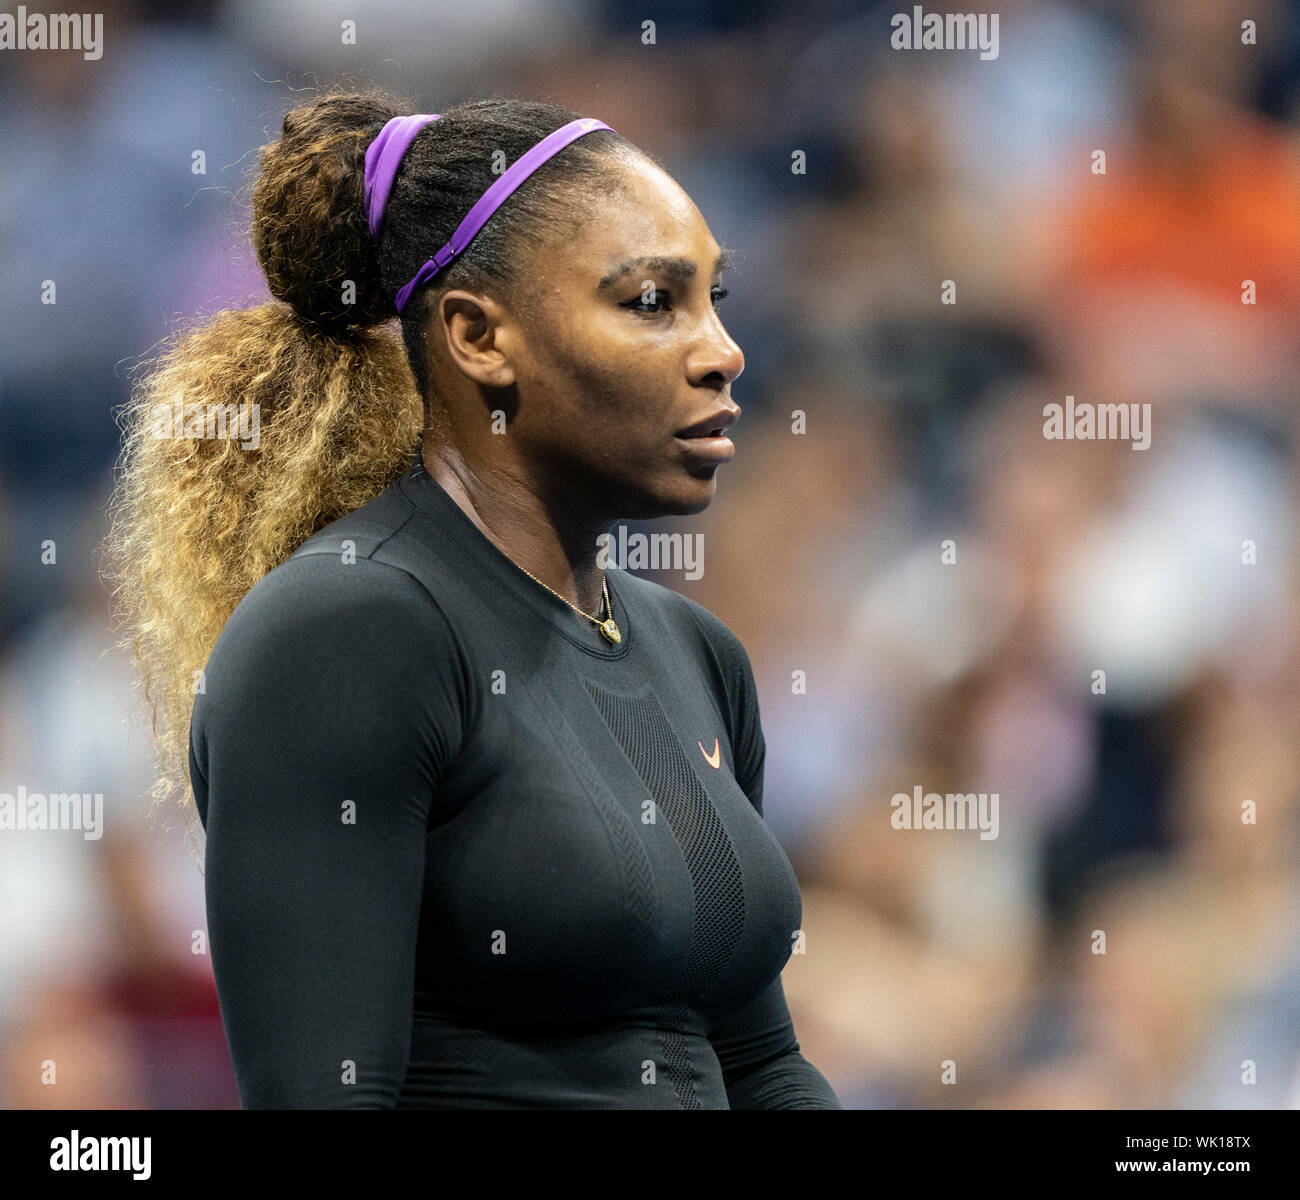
x: 384, y: 156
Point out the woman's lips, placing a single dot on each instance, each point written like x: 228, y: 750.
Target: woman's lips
x: 706, y: 441
x: 707, y: 447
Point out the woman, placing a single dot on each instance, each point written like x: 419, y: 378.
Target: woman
x: 483, y: 817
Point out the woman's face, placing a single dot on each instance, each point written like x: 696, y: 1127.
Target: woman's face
x: 621, y: 360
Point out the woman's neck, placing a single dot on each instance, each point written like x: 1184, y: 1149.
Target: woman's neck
x: 536, y: 534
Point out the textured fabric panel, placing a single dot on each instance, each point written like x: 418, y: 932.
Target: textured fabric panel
x: 641, y: 728
x: 638, y: 895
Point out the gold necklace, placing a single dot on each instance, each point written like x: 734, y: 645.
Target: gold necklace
x: 609, y: 630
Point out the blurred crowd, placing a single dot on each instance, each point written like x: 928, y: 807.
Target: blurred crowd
x: 932, y: 593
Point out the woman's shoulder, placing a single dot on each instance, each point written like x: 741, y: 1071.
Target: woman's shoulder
x: 361, y: 532
x: 334, y: 598
x: 339, y: 578
x: 682, y: 609
x: 337, y: 590
x: 357, y: 636
x: 687, y: 618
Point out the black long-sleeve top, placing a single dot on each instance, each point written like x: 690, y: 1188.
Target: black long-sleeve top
x: 463, y: 852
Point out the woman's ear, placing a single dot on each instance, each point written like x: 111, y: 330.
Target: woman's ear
x: 480, y: 337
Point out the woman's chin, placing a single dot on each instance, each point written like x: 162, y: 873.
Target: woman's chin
x: 695, y: 497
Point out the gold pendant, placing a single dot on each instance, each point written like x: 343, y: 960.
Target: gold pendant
x: 610, y: 631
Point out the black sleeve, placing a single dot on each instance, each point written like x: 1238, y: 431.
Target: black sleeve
x: 762, y: 1066
x: 332, y: 701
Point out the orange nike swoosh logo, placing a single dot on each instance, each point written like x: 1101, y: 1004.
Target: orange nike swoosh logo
x: 715, y: 759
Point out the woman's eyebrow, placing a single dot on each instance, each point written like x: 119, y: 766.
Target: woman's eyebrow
x: 677, y: 269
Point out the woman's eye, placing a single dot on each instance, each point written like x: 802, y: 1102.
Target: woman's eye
x: 647, y: 301
x: 654, y: 301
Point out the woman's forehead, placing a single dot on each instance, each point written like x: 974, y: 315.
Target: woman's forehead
x: 651, y: 225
